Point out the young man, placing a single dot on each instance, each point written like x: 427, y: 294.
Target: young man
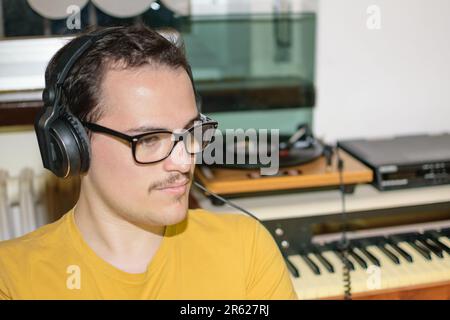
x: 131, y: 235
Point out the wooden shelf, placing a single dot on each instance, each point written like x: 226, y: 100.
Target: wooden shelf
x: 19, y: 113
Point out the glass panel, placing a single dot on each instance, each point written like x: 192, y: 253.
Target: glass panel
x: 241, y: 63
x: 260, y: 62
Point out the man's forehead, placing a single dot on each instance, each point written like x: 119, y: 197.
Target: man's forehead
x: 145, y: 82
x: 145, y: 101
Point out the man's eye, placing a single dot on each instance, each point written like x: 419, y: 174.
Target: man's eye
x: 149, y: 141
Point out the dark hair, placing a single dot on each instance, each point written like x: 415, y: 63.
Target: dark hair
x: 126, y: 47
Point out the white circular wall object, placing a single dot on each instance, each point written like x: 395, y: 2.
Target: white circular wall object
x: 52, y: 9
x: 123, y: 9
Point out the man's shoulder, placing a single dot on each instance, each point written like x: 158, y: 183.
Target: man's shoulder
x: 35, y: 241
x: 231, y: 230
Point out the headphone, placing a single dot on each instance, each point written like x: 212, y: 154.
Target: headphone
x: 63, y: 142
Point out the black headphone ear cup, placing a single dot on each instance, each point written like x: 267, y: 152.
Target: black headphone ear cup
x: 59, y: 155
x: 70, y: 147
x: 82, y: 140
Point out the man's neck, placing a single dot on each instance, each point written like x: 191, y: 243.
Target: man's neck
x: 124, y: 245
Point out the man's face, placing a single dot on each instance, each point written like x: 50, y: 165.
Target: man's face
x: 145, y: 97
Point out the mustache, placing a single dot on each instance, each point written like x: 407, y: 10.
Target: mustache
x: 173, y: 179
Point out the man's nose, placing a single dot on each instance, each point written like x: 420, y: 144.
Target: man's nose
x: 179, y: 160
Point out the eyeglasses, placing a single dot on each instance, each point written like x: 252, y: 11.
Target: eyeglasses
x: 157, y: 145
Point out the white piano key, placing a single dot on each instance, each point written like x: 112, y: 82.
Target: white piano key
x: 358, y: 277
x: 335, y: 279
x: 328, y: 281
x: 446, y: 259
x: 321, y: 282
x: 425, y: 271
x: 392, y: 275
x: 306, y: 285
x: 445, y: 241
x: 407, y: 269
x: 441, y: 265
x: 418, y: 271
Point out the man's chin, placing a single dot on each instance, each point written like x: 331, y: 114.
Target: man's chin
x: 171, y: 217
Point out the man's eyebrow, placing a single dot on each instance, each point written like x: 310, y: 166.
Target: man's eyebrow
x: 147, y: 128
x: 191, y: 122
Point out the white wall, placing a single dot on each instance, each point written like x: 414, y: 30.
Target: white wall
x: 391, y: 81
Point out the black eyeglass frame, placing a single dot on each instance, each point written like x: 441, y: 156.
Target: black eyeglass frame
x: 204, y: 121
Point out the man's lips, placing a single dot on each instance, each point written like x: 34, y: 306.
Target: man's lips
x: 178, y: 188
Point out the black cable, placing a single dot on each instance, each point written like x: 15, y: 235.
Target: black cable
x: 344, y: 242
x: 227, y: 202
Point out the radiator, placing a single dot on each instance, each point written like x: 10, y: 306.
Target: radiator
x: 28, y: 201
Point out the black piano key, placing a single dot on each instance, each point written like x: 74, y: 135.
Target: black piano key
x: 358, y: 258
x: 435, y: 238
x: 425, y: 253
x: 434, y: 249
x: 400, y: 251
x: 446, y: 232
x: 442, y: 247
x: 344, y: 260
x: 396, y: 239
x: 369, y: 255
x: 314, y: 268
x: 292, y: 268
x: 433, y: 233
x: 324, y: 261
x: 388, y: 253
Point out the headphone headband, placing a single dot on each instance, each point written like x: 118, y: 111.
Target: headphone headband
x: 66, y: 61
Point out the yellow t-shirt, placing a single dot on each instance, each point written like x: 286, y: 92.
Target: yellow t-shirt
x: 206, y: 256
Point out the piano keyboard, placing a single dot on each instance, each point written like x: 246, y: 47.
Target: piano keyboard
x: 375, y: 263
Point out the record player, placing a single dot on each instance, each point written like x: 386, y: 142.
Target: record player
x: 305, y: 163
x: 296, y: 149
